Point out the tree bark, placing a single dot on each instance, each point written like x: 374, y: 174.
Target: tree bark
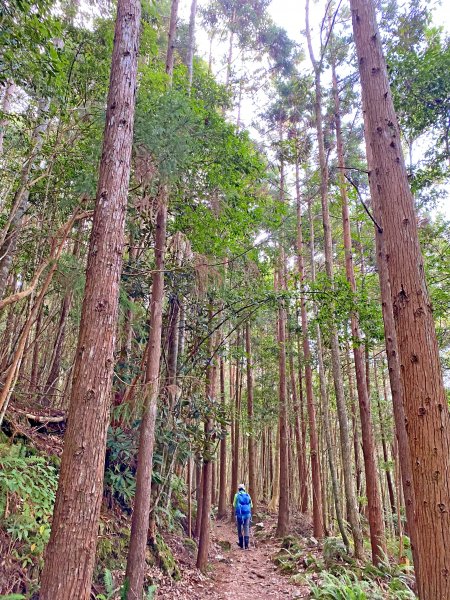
x: 313, y: 441
x: 283, y: 502
x: 172, y: 38
x: 335, y: 351
x: 376, y: 522
x: 34, y: 376
x: 191, y: 47
x: 236, y: 428
x: 204, y: 534
x: 139, y: 525
x: 384, y: 446
x: 68, y: 574
x: 275, y: 471
x: 355, y: 432
x: 172, y: 349
x: 304, y: 496
x: 253, y: 490
x: 298, y: 416
x: 425, y: 400
x: 328, y: 441
x: 222, y: 509
x: 198, y: 494
x: 397, y: 393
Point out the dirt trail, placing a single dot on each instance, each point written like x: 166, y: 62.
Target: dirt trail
x: 250, y: 575
x: 239, y: 574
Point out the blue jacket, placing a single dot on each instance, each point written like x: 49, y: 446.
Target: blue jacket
x: 242, y: 505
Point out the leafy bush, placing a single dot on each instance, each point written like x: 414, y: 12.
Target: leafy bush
x: 111, y: 590
x: 334, y: 550
x: 349, y: 585
x: 346, y: 587
x: 28, y: 485
x: 120, y: 482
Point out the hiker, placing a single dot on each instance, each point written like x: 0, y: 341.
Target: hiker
x: 243, y: 505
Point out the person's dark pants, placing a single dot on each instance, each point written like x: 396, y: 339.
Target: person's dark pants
x: 243, y: 529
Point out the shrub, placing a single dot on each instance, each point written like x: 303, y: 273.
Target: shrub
x: 28, y: 485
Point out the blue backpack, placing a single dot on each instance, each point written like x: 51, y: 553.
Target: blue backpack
x: 243, y: 506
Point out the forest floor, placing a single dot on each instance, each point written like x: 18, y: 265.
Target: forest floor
x: 236, y: 574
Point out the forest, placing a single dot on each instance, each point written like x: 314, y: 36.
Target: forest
x: 224, y: 283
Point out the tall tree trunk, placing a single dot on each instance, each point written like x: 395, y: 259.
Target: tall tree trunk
x: 172, y: 38
x: 34, y: 377
x: 298, y: 417
x: 214, y: 482
x: 204, y: 534
x: 189, y: 495
x: 425, y: 400
x: 398, y: 404
x: 222, y: 509
x: 275, y: 471
x: 283, y: 503
x: 355, y: 432
x: 198, y: 494
x: 236, y: 428
x: 230, y: 54
x: 328, y: 441
x: 140, y: 521
x: 68, y: 575
x: 384, y: 446
x: 172, y: 350
x: 303, y: 484
x: 335, y: 350
x: 191, y: 46
x: 283, y: 499
x: 424, y: 394
x: 251, y: 437
x: 376, y: 522
x: 313, y: 441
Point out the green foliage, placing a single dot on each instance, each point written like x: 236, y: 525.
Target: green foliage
x: 349, y: 585
x: 120, y: 480
x: 111, y: 590
x: 28, y: 484
x: 370, y: 582
x: 165, y: 558
x: 334, y: 549
x: 344, y: 587
x: 29, y: 51
x: 419, y: 64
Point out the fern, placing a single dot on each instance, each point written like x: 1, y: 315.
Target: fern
x: 124, y: 590
x: 109, y: 583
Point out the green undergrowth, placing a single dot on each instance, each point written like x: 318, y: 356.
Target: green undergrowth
x: 165, y: 558
x: 331, y: 574
x: 28, y: 482
x: 114, y: 592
